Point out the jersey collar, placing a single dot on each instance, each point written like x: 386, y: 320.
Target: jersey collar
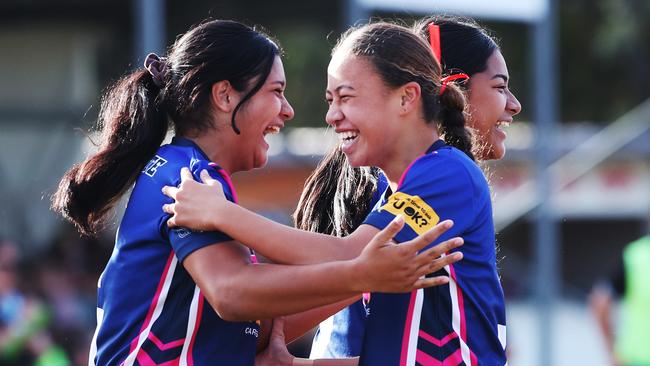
x: 438, y: 144
x: 182, y: 141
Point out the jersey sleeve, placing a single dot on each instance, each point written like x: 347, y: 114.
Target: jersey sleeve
x: 183, y: 240
x: 432, y: 190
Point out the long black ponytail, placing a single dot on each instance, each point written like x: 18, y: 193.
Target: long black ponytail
x: 133, y: 127
x: 137, y: 111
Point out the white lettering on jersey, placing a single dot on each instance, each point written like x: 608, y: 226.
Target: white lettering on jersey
x: 152, y: 166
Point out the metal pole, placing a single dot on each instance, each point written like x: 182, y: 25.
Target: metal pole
x: 546, y: 240
x: 149, y: 28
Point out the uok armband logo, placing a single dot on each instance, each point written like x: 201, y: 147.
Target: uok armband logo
x: 417, y: 214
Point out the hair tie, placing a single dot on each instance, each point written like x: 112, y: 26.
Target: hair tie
x: 434, y: 41
x: 448, y: 79
x: 157, y: 67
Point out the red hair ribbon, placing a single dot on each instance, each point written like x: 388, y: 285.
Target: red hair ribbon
x: 448, y: 79
x: 434, y: 41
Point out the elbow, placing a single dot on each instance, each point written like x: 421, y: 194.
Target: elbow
x: 228, y: 303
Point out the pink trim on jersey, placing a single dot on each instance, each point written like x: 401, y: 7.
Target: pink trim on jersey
x: 226, y: 177
x: 436, y: 341
x: 461, y: 305
x: 453, y: 360
x: 407, y: 330
x: 165, y: 346
x: 199, y: 312
x: 154, y: 302
x: 401, y: 179
x: 145, y: 360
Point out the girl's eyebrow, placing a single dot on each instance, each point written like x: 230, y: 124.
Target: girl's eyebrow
x: 504, y: 77
x: 338, y: 89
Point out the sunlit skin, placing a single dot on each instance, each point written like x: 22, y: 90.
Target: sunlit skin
x: 492, y: 106
x: 264, y: 113
x: 378, y: 125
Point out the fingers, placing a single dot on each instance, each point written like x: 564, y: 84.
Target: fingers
x: 428, y: 237
x: 278, y: 328
x: 430, y: 282
x: 169, y: 208
x: 206, y: 178
x: 438, y: 264
x: 186, y: 174
x: 439, y: 249
x: 387, y: 233
x: 170, y: 191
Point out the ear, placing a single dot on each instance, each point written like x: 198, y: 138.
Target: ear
x: 223, y: 96
x: 410, y: 96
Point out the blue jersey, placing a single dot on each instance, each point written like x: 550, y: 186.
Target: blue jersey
x: 341, y: 335
x: 463, y: 322
x: 150, y: 311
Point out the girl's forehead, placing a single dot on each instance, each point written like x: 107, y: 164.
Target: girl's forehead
x: 346, y: 66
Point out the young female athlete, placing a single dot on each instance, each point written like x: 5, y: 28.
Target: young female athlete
x: 175, y: 296
x: 389, y: 106
x: 337, y: 197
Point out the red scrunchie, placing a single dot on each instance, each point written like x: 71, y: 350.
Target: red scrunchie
x: 448, y: 79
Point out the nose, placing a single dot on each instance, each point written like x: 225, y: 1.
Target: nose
x: 513, y: 106
x: 334, y: 114
x: 287, y: 110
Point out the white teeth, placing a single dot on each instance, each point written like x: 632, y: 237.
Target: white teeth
x: 503, y: 124
x: 348, y: 135
x: 272, y: 130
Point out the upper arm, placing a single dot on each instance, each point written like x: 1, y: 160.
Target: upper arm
x: 212, y: 268
x: 434, y: 189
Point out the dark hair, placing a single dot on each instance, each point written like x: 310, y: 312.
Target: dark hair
x: 135, y: 113
x: 336, y: 196
x: 465, y: 47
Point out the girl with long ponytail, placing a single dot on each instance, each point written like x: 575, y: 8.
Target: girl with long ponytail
x: 393, y: 108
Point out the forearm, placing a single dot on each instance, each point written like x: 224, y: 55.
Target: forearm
x: 326, y: 362
x: 268, y: 291
x: 281, y: 243
x: 296, y: 325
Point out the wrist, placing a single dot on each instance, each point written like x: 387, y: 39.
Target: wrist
x: 354, y: 272
x: 302, y: 362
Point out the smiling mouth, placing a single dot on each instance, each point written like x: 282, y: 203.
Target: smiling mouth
x: 348, y: 136
x: 502, y: 124
x: 272, y: 130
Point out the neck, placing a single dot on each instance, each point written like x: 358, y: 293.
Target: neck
x: 218, y: 148
x: 413, y: 145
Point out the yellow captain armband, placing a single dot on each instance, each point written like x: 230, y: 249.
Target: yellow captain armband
x: 417, y: 214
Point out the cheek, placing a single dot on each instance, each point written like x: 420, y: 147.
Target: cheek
x: 485, y: 112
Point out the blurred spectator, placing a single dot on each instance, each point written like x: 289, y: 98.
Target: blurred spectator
x: 627, y: 344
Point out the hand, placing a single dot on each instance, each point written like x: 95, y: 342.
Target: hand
x: 389, y: 267
x: 195, y: 203
x: 276, y: 354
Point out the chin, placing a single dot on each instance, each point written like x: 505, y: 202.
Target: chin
x: 496, y: 153
x: 260, y: 161
x: 354, y: 161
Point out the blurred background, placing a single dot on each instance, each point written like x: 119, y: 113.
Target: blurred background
x: 573, y: 190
